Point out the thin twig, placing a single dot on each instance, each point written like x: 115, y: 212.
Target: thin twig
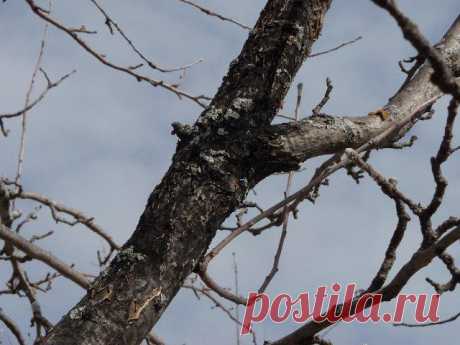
x: 443, y: 76
x: 32, y: 104
x: 214, y: 14
x: 325, y: 170
x: 279, y: 250
x: 224, y: 293
x: 80, y: 217
x: 237, y: 306
x: 388, y: 186
x: 22, y: 145
x: 335, y: 48
x: 317, y: 110
x: 206, y: 292
x: 390, y: 254
x: 102, y: 58
x: 41, y: 255
x: 113, y: 24
x: 429, y: 324
x: 441, y: 157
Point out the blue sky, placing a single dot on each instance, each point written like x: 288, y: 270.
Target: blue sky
x: 101, y: 141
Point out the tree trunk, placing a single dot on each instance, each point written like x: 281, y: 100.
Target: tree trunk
x: 231, y: 147
x: 215, y: 164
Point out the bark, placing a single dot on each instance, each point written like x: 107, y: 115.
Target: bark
x: 230, y: 148
x: 209, y: 177
x: 319, y: 135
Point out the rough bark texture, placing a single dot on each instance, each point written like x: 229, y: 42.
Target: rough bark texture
x: 209, y: 176
x: 319, y: 135
x: 231, y: 147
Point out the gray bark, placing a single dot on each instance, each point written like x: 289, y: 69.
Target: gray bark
x: 315, y: 136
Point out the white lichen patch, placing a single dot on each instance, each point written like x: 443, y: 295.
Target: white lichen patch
x: 215, y: 158
x: 217, y: 153
x: 207, y: 158
x: 243, y: 104
x: 77, y: 313
x: 230, y: 114
x: 280, y: 71
x: 213, y: 113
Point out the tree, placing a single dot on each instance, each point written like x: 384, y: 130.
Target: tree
x: 232, y: 146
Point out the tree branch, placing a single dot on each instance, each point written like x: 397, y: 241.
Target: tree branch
x: 218, y: 160
x: 41, y: 255
x: 419, y: 260
x: 208, y: 179
x: 11, y: 325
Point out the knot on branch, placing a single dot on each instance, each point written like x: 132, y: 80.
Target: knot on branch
x: 183, y: 132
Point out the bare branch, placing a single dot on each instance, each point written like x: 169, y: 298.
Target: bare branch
x: 390, y: 254
x: 39, y: 254
x: 224, y: 293
x: 113, y: 24
x: 443, y: 154
x: 33, y: 103
x: 11, y: 325
x: 443, y: 76
x: 387, y: 186
x: 316, y: 110
x: 419, y: 260
x: 282, y: 239
x: 329, y: 167
x: 214, y: 14
x: 335, y: 48
x: 78, y: 215
x: 429, y: 324
x: 101, y: 58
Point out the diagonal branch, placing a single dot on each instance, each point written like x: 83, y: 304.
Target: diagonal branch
x: 101, y: 58
x: 418, y: 261
x: 228, y: 151
x: 13, y: 327
x: 76, y: 214
x: 30, y: 105
x: 215, y: 14
x: 37, y: 253
x: 209, y: 178
x: 111, y: 23
x: 443, y: 77
x: 390, y: 254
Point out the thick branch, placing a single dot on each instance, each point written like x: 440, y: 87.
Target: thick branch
x: 208, y: 179
x: 217, y: 161
x: 293, y: 143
